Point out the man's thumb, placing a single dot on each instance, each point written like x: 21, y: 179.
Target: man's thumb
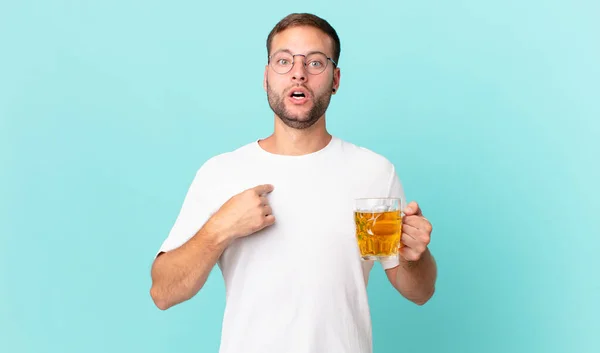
x: 263, y: 189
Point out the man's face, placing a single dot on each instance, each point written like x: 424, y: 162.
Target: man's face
x: 313, y: 92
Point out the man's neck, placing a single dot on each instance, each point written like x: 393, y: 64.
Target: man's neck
x: 293, y: 142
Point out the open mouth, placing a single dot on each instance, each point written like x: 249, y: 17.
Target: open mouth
x: 298, y: 95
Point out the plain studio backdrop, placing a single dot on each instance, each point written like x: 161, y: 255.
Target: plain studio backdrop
x: 489, y: 109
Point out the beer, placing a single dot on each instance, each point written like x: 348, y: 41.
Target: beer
x: 378, y: 233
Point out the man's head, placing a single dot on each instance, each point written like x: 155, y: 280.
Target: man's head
x: 302, y: 73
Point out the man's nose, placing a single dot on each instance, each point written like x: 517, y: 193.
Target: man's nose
x: 298, y: 70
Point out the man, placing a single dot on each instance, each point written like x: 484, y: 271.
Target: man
x: 276, y: 216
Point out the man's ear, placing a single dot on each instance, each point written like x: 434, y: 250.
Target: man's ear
x: 336, y: 80
x: 265, y: 78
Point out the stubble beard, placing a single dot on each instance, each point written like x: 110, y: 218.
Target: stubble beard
x: 298, y: 121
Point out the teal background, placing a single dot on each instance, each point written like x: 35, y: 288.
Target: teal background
x: 489, y: 109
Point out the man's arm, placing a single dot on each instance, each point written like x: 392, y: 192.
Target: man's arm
x: 416, y: 274
x: 415, y: 280
x: 179, y: 274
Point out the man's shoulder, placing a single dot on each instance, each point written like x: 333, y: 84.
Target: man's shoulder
x: 227, y: 158
x: 366, y: 166
x: 363, y: 154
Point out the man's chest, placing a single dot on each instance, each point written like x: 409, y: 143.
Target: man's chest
x: 313, y: 219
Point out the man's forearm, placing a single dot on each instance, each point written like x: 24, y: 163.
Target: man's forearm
x: 416, y: 280
x: 179, y: 274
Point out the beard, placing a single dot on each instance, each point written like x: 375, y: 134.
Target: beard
x: 298, y: 121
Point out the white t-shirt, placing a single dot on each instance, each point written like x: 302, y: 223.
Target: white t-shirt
x: 298, y: 286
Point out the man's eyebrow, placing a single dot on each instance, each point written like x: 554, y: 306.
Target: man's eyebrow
x: 283, y: 50
x: 316, y: 52
x: 290, y: 52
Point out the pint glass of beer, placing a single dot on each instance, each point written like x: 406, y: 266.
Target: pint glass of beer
x: 378, y: 227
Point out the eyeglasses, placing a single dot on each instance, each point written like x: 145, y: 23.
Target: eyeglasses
x: 315, y: 62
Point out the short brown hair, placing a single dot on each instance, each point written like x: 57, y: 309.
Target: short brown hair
x: 306, y: 19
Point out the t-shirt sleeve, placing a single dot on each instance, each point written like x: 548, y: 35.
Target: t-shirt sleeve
x: 395, y: 190
x: 194, y: 212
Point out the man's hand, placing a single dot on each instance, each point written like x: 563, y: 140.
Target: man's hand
x: 416, y: 233
x: 243, y: 214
